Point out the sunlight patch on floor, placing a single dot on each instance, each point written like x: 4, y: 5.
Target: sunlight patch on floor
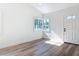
x: 54, y: 43
x: 54, y: 39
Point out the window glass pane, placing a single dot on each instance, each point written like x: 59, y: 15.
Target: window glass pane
x: 41, y: 24
x: 38, y: 24
x: 46, y: 25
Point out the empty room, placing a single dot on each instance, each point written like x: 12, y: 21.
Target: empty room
x: 39, y: 29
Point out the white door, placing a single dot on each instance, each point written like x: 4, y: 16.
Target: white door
x: 71, y: 30
x: 68, y: 30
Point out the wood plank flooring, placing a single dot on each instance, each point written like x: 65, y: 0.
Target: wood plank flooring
x: 40, y: 48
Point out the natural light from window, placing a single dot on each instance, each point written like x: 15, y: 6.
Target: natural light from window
x: 54, y: 39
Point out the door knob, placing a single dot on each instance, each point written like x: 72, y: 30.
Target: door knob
x: 64, y: 29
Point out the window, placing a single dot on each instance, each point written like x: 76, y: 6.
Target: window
x: 41, y: 24
x: 38, y: 24
x: 46, y: 25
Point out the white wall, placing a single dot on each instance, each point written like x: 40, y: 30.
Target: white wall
x: 56, y: 21
x: 17, y: 24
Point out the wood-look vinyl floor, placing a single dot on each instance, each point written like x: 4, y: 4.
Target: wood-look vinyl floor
x: 40, y: 48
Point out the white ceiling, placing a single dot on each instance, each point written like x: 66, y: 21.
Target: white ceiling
x: 51, y: 7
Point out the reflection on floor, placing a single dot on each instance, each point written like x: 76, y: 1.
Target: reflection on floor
x: 40, y: 48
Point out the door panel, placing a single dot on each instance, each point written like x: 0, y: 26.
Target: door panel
x: 68, y: 30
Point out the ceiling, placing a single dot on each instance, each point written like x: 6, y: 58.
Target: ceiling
x: 51, y: 7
